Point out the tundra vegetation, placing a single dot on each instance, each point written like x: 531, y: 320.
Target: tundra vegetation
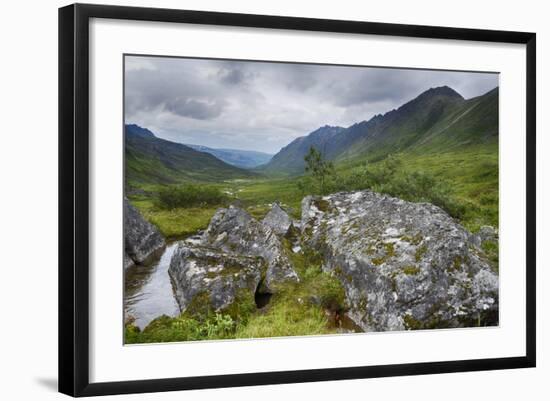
x: 447, y: 158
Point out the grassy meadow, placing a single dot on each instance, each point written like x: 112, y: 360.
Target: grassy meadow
x: 465, y: 182
x: 469, y: 177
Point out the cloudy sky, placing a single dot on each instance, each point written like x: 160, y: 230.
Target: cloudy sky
x: 264, y: 106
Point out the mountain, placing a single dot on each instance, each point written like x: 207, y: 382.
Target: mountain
x: 291, y: 157
x: 236, y: 157
x: 437, y: 120
x: 153, y: 160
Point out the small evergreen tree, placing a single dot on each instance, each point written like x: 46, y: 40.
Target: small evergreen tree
x: 318, y: 167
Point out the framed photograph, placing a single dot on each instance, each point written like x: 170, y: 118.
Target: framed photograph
x: 251, y: 199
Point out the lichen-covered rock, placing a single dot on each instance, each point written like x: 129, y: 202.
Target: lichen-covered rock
x: 207, y: 278
x: 141, y: 239
x: 403, y: 265
x: 278, y: 220
x: 234, y: 231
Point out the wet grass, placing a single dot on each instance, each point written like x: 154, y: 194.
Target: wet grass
x: 175, y: 223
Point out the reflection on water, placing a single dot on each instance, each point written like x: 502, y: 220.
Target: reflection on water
x: 148, y: 291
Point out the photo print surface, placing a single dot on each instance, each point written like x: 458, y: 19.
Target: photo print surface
x: 270, y: 199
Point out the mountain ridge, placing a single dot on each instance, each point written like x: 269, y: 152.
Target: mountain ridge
x: 291, y: 155
x: 154, y: 160
x: 431, y: 121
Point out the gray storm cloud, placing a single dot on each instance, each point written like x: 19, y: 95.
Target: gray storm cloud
x: 264, y: 106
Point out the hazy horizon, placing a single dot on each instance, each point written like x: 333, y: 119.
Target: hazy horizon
x: 263, y: 106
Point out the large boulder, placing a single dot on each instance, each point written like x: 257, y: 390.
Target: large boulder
x: 235, y: 257
x: 141, y: 239
x: 234, y: 231
x: 403, y: 265
x: 278, y: 220
x: 207, y: 278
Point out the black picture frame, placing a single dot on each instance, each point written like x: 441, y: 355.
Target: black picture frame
x: 74, y: 198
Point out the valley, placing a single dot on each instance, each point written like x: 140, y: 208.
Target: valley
x: 438, y: 148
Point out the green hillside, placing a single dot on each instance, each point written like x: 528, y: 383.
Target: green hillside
x: 152, y: 160
x: 437, y: 120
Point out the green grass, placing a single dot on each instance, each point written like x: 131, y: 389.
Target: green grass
x: 473, y: 176
x: 256, y: 195
x: 149, y: 159
x: 189, y: 195
x: 491, y: 250
x: 299, y: 308
x: 286, y: 317
x: 214, y: 326
x: 468, y: 174
x: 175, y: 223
x: 296, y: 309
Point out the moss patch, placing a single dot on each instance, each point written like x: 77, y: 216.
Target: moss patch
x: 420, y: 252
x: 411, y: 323
x: 411, y: 270
x: 388, y: 252
x: 322, y: 205
x: 414, y: 239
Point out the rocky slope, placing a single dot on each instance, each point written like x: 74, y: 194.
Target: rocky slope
x: 403, y: 265
x: 141, y: 239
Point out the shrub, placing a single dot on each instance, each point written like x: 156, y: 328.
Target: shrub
x: 423, y: 187
x: 320, y: 169
x: 189, y: 195
x: 391, y: 177
x: 213, y: 326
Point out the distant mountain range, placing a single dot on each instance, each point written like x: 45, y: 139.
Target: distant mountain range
x: 439, y: 119
x: 236, y: 157
x: 153, y: 160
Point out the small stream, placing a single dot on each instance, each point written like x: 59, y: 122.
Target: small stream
x: 148, y: 291
x: 149, y: 294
